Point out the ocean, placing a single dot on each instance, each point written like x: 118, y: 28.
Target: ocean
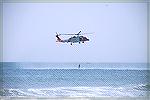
x: 66, y: 79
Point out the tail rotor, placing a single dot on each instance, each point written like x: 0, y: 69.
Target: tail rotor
x: 58, y: 38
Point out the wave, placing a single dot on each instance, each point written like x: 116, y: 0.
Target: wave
x: 78, y: 91
x: 143, y: 87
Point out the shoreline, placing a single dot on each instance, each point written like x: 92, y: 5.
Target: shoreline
x: 73, y: 98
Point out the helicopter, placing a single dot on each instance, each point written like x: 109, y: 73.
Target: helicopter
x: 77, y: 38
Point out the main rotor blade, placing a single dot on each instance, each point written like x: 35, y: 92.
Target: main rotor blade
x: 79, y: 32
x: 88, y: 33
x: 76, y: 34
x: 67, y: 34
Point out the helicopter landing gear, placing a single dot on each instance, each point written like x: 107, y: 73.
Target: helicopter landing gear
x: 79, y: 42
x: 71, y: 43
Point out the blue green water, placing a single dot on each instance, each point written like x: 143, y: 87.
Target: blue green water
x: 21, y: 81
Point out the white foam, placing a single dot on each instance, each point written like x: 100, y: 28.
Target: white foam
x: 78, y: 91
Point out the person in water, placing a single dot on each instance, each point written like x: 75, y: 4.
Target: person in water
x: 79, y: 66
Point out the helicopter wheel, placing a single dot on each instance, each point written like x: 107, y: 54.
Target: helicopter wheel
x: 71, y: 43
x: 83, y: 42
x: 79, y: 42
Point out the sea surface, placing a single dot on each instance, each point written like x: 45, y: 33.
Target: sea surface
x: 91, y: 80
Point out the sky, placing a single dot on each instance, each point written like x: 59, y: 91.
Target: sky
x: 119, y: 32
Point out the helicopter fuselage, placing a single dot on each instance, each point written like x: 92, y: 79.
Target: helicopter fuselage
x: 74, y: 39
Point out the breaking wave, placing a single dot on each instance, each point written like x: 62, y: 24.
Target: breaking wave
x: 140, y: 90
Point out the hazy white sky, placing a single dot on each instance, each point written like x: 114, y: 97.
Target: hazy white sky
x: 120, y: 32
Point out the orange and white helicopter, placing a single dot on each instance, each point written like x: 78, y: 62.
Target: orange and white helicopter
x: 77, y: 38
